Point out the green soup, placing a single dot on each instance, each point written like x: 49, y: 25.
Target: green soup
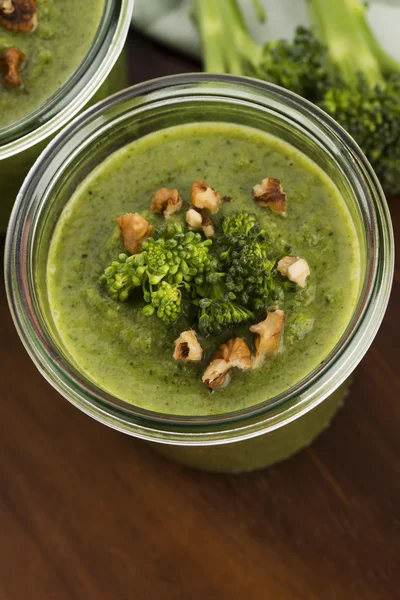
x: 129, y: 354
x: 54, y: 50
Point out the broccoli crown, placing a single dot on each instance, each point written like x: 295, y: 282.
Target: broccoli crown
x: 301, y: 65
x: 241, y: 224
x: 121, y: 277
x: 372, y: 116
x: 249, y: 262
x: 166, y: 264
x: 175, y: 256
x: 217, y: 314
x: 166, y: 301
x: 217, y: 307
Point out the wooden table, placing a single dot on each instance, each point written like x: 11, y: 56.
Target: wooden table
x: 90, y: 514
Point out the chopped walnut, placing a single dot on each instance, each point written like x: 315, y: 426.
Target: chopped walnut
x: 218, y: 373
x: 235, y: 353
x: 204, y: 196
x: 270, y: 193
x: 134, y: 230
x: 198, y: 218
x: 18, y: 15
x: 294, y: 268
x: 207, y: 224
x: 187, y: 347
x: 166, y: 201
x: 193, y: 218
x: 12, y: 59
x: 269, y: 333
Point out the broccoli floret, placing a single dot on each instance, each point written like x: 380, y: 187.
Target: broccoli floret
x: 251, y: 276
x: 167, y: 264
x: 217, y: 307
x: 121, y: 277
x: 249, y: 261
x: 239, y: 224
x: 367, y: 101
x: 372, y: 116
x: 300, y: 65
x: 218, y: 314
x: 166, y: 301
x: 175, y: 258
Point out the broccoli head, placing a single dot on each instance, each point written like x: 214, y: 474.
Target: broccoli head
x: 218, y: 309
x: 372, y: 116
x: 165, y: 301
x: 300, y: 65
x: 121, y: 278
x: 249, y: 261
x: 167, y: 264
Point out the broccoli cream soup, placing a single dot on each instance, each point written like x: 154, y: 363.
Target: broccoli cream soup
x: 202, y: 269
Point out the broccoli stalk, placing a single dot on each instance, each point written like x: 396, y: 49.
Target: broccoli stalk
x: 352, y: 46
x: 341, y: 67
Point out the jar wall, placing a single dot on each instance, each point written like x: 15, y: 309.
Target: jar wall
x: 269, y: 433
x: 261, y: 451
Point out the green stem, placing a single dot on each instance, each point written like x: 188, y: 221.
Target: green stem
x: 246, y: 46
x: 232, y: 56
x: 212, y: 32
x: 260, y: 11
x: 340, y: 25
x: 387, y: 63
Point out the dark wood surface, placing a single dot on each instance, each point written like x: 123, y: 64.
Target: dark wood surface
x: 87, y: 513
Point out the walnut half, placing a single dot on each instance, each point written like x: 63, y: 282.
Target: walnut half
x: 187, y: 347
x: 198, y: 218
x: 269, y: 333
x: 134, y: 230
x: 166, y: 201
x: 270, y: 193
x: 18, y: 15
x: 12, y: 59
x: 294, y: 268
x: 203, y: 195
x: 235, y: 353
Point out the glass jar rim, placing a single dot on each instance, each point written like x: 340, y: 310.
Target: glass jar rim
x: 112, y: 31
x: 242, y: 424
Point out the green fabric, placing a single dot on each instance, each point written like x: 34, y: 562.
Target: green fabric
x: 171, y: 21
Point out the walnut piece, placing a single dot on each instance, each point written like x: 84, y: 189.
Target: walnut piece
x: 269, y: 333
x: 193, y: 219
x: 270, y: 193
x: 18, y: 15
x: 204, y: 196
x: 134, y: 230
x: 166, y: 201
x: 187, y: 347
x: 218, y: 373
x: 12, y: 59
x: 294, y: 268
x: 198, y: 218
x: 235, y: 353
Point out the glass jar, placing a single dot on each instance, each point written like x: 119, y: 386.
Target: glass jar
x: 259, y: 435
x: 99, y: 75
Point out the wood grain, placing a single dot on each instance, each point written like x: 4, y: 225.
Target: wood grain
x: 87, y: 513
